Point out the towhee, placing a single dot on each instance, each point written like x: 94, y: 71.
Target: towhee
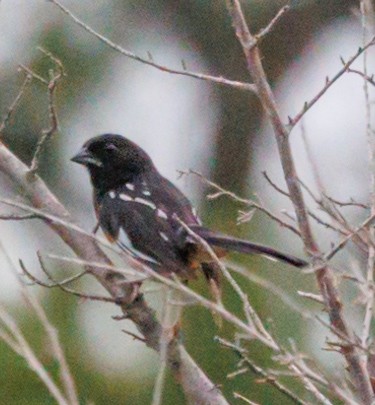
x: 141, y: 211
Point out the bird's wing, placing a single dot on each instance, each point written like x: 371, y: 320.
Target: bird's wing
x: 140, y: 221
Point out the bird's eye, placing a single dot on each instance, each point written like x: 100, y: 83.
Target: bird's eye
x: 110, y: 147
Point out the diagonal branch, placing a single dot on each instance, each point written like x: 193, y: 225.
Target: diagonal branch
x: 196, y: 385
x: 330, y: 82
x: 214, y: 79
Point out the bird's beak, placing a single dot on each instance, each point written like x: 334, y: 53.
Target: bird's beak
x: 84, y: 157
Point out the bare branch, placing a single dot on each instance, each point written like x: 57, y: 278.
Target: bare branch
x: 265, y: 31
x: 33, y: 74
x: 273, y: 289
x: 195, y: 384
x: 25, y: 350
x: 329, y: 83
x: 324, y: 275
x: 35, y: 280
x: 351, y: 203
x: 13, y: 107
x: 47, y: 133
x: 250, y: 203
x: 329, y: 255
x: 314, y: 297
x: 368, y: 15
x: 65, y: 374
x: 252, y: 318
x: 246, y: 400
x: 369, y: 79
x: 268, y: 378
x: 150, y: 62
x: 16, y: 217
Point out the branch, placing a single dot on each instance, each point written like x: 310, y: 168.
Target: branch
x: 195, y: 384
x: 47, y: 133
x: 368, y: 15
x: 265, y: 31
x: 357, y: 370
x: 329, y: 83
x: 369, y: 79
x: 250, y: 203
x: 20, y: 345
x: 65, y: 374
x: 219, y: 80
x: 270, y: 379
x: 15, y: 103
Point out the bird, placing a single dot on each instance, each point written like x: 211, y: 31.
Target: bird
x: 148, y: 217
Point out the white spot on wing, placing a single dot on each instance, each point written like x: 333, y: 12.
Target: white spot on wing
x: 145, y: 202
x: 139, y: 200
x: 125, y: 197
x: 130, y: 186
x: 164, y: 236
x: 160, y: 213
x: 112, y: 194
x: 146, y: 192
x: 273, y: 259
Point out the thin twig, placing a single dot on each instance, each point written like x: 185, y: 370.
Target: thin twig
x: 250, y: 203
x: 13, y: 107
x: 329, y: 255
x: 274, y: 185
x: 351, y: 203
x: 33, y: 74
x: 246, y: 400
x: 48, y: 133
x: 251, y: 315
x: 319, y: 220
x: 329, y: 83
x: 369, y: 79
x: 16, y: 217
x: 265, y: 31
x: 61, y: 286
x: 270, y: 379
x: 272, y: 288
x: 311, y: 296
x: 65, y: 374
x: 28, y: 354
x: 175, y: 283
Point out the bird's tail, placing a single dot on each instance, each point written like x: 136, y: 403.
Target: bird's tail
x: 243, y: 246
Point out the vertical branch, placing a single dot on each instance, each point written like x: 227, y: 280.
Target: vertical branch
x: 165, y: 338
x: 325, y: 278
x: 367, y: 12
x: 47, y: 133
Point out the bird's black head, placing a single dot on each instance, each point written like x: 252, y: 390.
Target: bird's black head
x: 112, y: 159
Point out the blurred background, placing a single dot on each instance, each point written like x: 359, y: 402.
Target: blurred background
x: 182, y: 123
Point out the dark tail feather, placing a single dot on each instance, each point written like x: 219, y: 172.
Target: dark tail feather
x: 244, y: 246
